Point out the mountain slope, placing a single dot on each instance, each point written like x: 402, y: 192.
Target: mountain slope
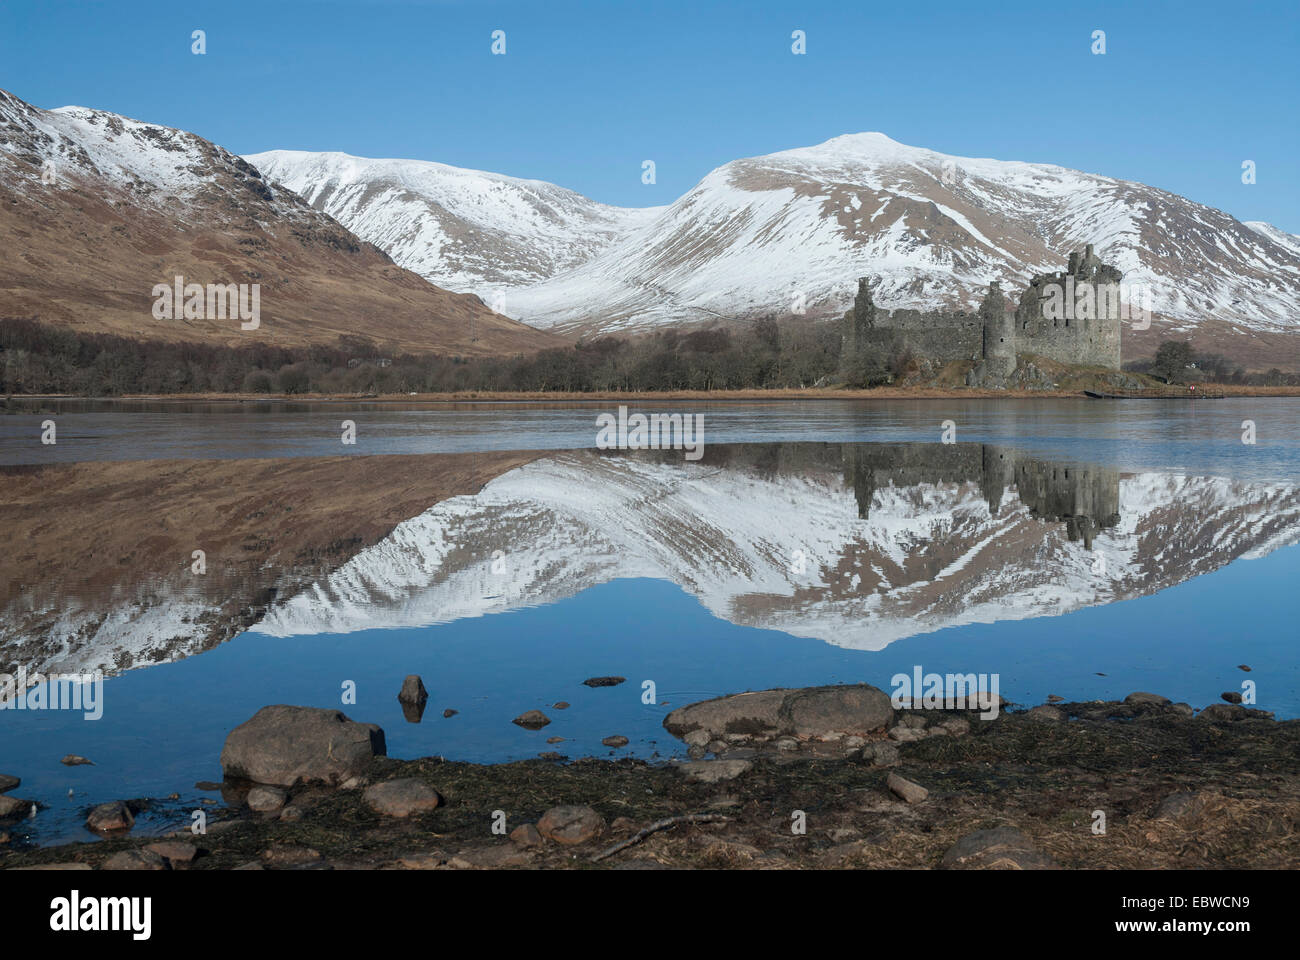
x: 466, y: 230
x: 755, y: 234
x: 96, y: 209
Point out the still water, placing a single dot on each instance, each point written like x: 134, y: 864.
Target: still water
x: 1083, y: 549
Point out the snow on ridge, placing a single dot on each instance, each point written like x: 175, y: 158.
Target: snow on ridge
x: 570, y: 522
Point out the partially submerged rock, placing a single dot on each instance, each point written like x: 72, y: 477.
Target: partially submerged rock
x: 284, y: 745
x: 604, y: 681
x: 532, y: 720
x: 413, y: 690
x: 814, y: 712
x: 8, y: 782
x: 73, y: 760
x: 111, y: 817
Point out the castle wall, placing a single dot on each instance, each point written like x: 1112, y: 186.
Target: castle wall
x: 938, y: 336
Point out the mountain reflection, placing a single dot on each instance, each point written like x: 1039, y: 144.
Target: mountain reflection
x: 855, y: 544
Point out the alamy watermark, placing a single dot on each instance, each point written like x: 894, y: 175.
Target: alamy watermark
x: 953, y: 691
x: 55, y: 691
x: 216, y: 301
x: 656, y: 431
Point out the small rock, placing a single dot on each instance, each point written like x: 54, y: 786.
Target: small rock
x: 571, y: 824
x: 906, y: 734
x: 72, y: 760
x: 526, y: 835
x: 264, y: 799
x: 913, y: 720
x: 1146, y: 698
x: 413, y: 690
x: 4, y: 837
x: 532, y: 720
x: 449, y: 713
x: 604, y: 681
x: 289, y: 856
x: 135, y: 860
x: 957, y: 726
x: 551, y: 755
x: 554, y: 739
x: 562, y: 705
x: 1242, y: 666
x: 882, y: 753
x: 1231, y: 696
x: 109, y: 817
x: 174, y: 851
x: 8, y: 783
x: 622, y: 825
x: 906, y: 789
x: 615, y: 741
x: 714, y: 771
x: 696, y: 753
x: 853, y: 743
x: 787, y: 744
x: 291, y: 814
x: 1182, y: 709
x: 401, y: 798
x: 1045, y: 713
x: 1002, y: 848
x: 1179, y: 805
x: 716, y: 746
x: 1053, y: 698
x: 207, y: 785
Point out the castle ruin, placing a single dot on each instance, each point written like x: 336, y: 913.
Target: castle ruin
x: 1072, y: 316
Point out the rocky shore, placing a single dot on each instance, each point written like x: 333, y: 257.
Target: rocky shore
x: 823, y: 777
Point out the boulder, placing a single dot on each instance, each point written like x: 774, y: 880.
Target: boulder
x: 401, y: 798
x: 826, y: 713
x: 532, y: 720
x: 615, y: 741
x: 1002, y: 848
x: 8, y: 783
x: 284, y: 745
x: 571, y: 824
x: 850, y: 710
x: 1232, y: 711
x: 110, y: 817
x: 72, y: 760
x: 1231, y: 696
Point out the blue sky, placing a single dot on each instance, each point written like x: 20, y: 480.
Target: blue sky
x: 588, y: 90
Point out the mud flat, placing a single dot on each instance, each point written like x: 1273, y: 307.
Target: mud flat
x: 920, y: 789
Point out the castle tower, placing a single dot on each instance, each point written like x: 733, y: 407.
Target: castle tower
x: 999, y: 333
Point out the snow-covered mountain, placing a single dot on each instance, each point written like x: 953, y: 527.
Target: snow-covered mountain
x: 760, y: 235
x: 466, y: 230
x: 97, y: 208
x: 928, y: 554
